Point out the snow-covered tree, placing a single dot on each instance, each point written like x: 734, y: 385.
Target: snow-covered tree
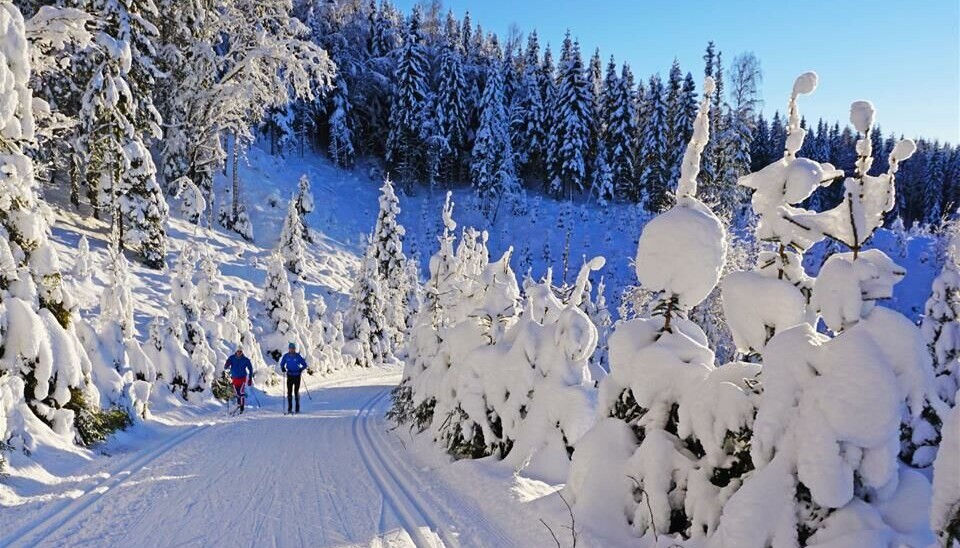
x: 81, y: 266
x: 341, y: 147
x: 192, y: 202
x: 941, y: 322
x: 46, y: 371
x: 620, y: 136
x: 377, y: 317
x: 451, y: 109
x: 527, y: 115
x: 676, y: 451
x: 575, y: 109
x: 945, y: 510
x: 492, y: 170
x: 305, y: 205
x: 813, y: 412
x: 291, y: 244
x: 653, y: 148
x: 143, y: 206
x: 228, y: 69
x: 279, y: 305
x: 404, y: 153
x: 365, y: 322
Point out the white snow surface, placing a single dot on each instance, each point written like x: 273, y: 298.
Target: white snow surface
x: 334, y: 475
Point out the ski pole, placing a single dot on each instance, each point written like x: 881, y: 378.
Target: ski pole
x: 305, y: 387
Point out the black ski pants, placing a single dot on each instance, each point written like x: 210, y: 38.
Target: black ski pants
x: 293, y: 392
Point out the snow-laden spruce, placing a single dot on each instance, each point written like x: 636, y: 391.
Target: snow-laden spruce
x: 826, y: 440
x: 47, y: 386
x: 491, y: 372
x: 671, y: 444
x: 945, y: 508
x: 116, y: 355
x: 291, y: 245
x: 941, y: 321
x: 283, y: 328
x: 381, y: 308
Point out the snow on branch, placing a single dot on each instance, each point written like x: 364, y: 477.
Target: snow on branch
x: 690, y: 168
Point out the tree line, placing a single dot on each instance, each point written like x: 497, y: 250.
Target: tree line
x: 441, y: 101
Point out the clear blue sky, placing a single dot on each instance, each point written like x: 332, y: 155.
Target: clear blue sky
x: 902, y: 56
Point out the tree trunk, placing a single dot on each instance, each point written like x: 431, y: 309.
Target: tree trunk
x: 236, y: 179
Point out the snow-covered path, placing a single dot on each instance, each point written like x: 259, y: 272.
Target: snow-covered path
x: 332, y: 476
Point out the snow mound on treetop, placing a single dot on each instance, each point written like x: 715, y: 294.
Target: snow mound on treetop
x: 681, y: 252
x: 754, y: 303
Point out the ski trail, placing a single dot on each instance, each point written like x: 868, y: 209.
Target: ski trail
x: 329, y: 477
x: 63, y: 514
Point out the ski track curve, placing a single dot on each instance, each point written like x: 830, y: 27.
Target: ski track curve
x: 331, y: 477
x: 470, y: 526
x: 392, y: 489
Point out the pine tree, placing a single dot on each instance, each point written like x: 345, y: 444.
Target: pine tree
x: 278, y: 302
x: 575, y: 112
x: 621, y: 136
x: 305, y: 205
x: 365, y: 320
x: 760, y: 145
x: 492, y: 171
x: 933, y: 185
x: 527, y: 119
x: 290, y: 246
x: 596, y: 86
x: 341, y: 129
x: 81, y: 265
x: 404, y: 153
x: 377, y: 318
x: 707, y: 170
x: 143, y: 206
x: 653, y: 148
x: 551, y: 119
x: 941, y: 320
x: 677, y: 123
x: 451, y: 110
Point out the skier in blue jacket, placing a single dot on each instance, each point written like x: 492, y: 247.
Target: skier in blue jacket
x: 241, y: 373
x: 293, y: 364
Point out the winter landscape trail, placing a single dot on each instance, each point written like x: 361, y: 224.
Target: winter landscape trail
x: 331, y: 476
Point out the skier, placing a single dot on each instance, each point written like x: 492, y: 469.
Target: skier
x: 293, y: 364
x: 239, y: 366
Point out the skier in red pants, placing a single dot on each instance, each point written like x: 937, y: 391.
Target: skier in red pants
x: 241, y: 373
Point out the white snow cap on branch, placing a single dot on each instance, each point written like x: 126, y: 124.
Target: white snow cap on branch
x: 681, y: 253
x: 805, y: 84
x: 861, y: 115
x: 690, y: 168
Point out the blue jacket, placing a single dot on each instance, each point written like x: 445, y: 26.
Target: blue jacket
x: 240, y: 367
x: 293, y: 364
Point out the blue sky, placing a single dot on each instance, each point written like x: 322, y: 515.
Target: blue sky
x: 902, y: 56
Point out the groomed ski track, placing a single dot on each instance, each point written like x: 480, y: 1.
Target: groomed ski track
x: 331, y: 476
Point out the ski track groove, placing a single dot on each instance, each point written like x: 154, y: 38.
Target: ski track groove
x: 477, y: 522
x: 384, y: 478
x: 60, y: 517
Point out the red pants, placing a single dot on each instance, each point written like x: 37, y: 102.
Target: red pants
x: 240, y: 387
